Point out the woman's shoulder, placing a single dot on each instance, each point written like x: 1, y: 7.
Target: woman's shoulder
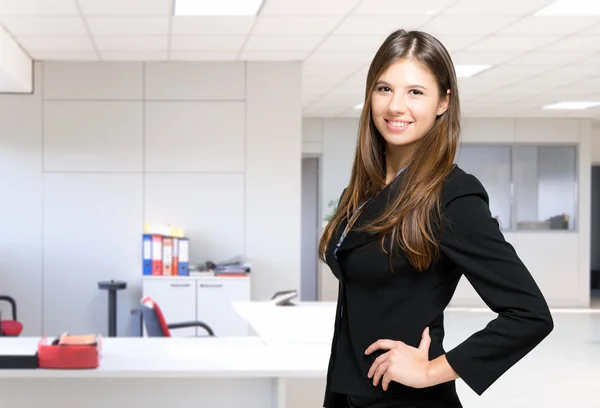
x: 459, y: 184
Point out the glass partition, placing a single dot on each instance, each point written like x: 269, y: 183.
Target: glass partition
x: 545, y: 180
x: 491, y: 165
x: 530, y: 187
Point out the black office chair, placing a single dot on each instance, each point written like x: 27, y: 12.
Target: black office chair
x: 13, y: 327
x: 157, y: 326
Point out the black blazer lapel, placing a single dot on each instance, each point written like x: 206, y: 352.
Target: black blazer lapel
x: 370, y: 211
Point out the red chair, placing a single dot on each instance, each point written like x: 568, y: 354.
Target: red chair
x: 157, y: 326
x: 11, y: 328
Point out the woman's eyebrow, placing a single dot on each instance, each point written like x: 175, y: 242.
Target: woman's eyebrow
x: 408, y: 86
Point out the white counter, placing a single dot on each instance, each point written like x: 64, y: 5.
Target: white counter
x: 224, y: 372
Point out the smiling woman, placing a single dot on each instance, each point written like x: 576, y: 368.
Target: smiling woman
x: 409, y: 225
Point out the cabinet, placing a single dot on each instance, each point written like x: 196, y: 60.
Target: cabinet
x: 207, y: 299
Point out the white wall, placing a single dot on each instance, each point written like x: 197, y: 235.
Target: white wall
x: 558, y: 260
x: 99, y: 148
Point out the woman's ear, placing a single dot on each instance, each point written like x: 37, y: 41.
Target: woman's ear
x: 443, y: 105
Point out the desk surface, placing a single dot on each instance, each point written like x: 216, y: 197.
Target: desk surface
x: 188, y: 357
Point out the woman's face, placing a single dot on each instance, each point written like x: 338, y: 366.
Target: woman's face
x: 405, y: 103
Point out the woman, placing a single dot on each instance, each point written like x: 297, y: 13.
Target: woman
x: 408, y: 226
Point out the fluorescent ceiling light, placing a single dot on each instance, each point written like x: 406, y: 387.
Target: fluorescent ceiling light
x: 465, y: 71
x: 571, y: 8
x: 217, y: 7
x: 572, y: 105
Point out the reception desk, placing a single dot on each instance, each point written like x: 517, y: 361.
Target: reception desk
x: 159, y: 372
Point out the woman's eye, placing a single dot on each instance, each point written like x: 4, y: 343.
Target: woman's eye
x: 416, y: 92
x: 384, y: 89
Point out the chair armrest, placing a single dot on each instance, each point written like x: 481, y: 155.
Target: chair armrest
x: 183, y: 325
x: 13, y: 305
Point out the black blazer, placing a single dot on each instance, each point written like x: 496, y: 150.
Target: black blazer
x: 374, y: 303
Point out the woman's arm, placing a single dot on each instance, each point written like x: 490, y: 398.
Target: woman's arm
x: 473, y: 242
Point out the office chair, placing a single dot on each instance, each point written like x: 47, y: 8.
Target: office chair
x: 157, y: 326
x: 12, y: 327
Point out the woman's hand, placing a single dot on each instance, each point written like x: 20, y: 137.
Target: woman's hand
x: 402, y: 363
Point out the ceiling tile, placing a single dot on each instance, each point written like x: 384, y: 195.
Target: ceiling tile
x: 308, y: 7
x: 402, y: 7
x: 482, y: 57
x: 38, y: 7
x: 126, y: 7
x: 273, y: 56
x: 128, y: 25
x: 48, y: 43
x: 581, y: 70
x: 548, y: 25
x: 514, y: 71
x: 64, y: 56
x: 466, y: 25
x: 381, y: 25
x: 352, y: 43
x: 551, y: 58
x: 134, y: 56
x: 208, y: 43
x: 26, y: 25
x: 495, y: 8
x: 357, y: 59
x: 282, y: 43
x: 137, y: 44
x: 203, y: 56
x: 579, y: 43
x: 201, y: 25
x: 594, y: 30
x: 295, y: 25
x: 507, y: 43
x: 334, y: 69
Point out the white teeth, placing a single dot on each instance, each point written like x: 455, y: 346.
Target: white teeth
x: 399, y: 124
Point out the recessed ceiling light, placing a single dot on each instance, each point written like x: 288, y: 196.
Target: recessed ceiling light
x: 359, y: 106
x: 466, y: 70
x: 572, y: 105
x: 571, y: 8
x: 217, y: 7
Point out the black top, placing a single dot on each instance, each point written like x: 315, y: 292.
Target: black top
x: 374, y: 303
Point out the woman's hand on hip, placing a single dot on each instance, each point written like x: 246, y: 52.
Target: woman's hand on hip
x: 401, y: 363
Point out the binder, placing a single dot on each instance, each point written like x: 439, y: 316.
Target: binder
x: 184, y: 256
x: 147, y: 254
x: 175, y: 256
x: 167, y: 256
x: 157, y: 255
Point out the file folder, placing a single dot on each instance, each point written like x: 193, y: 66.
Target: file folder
x: 175, y: 256
x: 167, y: 256
x: 184, y: 255
x: 147, y: 254
x: 157, y: 255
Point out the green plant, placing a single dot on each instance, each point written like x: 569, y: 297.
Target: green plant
x: 333, y: 205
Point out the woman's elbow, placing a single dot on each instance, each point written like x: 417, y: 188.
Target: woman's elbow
x: 544, y: 324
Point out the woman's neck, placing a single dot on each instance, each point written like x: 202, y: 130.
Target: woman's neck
x: 395, y: 161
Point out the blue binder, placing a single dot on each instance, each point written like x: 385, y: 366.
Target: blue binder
x: 184, y: 257
x: 147, y: 254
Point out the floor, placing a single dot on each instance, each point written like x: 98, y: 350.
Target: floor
x: 563, y: 371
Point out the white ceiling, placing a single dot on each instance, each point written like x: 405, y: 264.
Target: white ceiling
x: 537, y: 60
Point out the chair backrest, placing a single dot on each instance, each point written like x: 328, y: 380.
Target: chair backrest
x: 154, y: 320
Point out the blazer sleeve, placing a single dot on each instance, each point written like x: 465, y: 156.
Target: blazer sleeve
x: 473, y: 242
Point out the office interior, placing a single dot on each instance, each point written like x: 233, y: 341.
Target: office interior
x: 240, y: 130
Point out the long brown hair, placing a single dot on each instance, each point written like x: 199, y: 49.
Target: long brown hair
x: 413, y: 218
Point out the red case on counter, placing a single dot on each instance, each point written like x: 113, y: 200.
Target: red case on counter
x: 71, y: 357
